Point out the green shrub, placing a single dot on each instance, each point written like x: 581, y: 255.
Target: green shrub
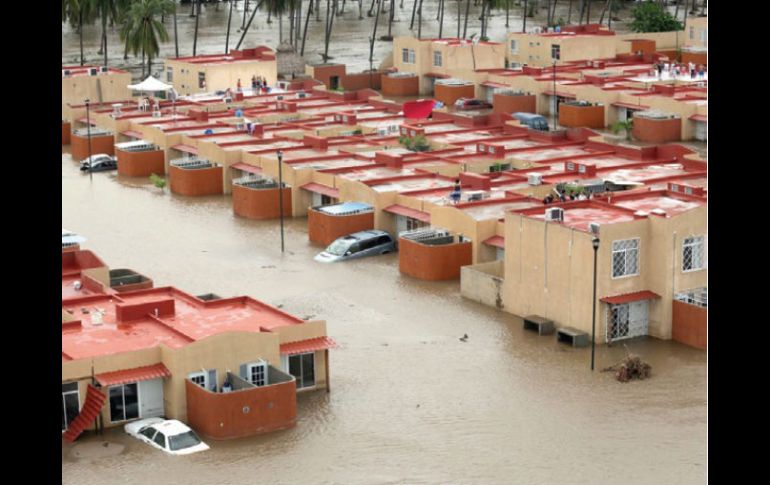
x: 159, y: 182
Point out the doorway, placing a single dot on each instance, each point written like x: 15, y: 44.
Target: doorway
x: 70, y: 398
x: 334, y: 82
x: 627, y: 320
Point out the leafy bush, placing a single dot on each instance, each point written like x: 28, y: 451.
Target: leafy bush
x: 159, y: 182
x: 652, y: 17
x: 627, y: 125
x: 417, y: 144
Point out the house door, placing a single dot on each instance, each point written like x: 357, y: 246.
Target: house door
x: 622, y: 114
x: 401, y: 224
x: 334, y: 82
x: 151, y: 398
x: 627, y: 320
x: 70, y: 404
x: 701, y: 130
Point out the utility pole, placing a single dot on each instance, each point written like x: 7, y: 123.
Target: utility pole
x: 88, y: 129
x: 280, y: 193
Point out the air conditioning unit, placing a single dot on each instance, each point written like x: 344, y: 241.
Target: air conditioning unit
x: 594, y: 228
x: 92, y: 71
x: 104, y: 69
x: 66, y: 73
x: 475, y: 195
x: 534, y: 179
x: 301, y: 95
x: 554, y: 214
x: 279, y: 98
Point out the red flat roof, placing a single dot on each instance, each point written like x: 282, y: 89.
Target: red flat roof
x: 309, y: 345
x: 136, y: 374
x: 186, y: 149
x: 629, y: 297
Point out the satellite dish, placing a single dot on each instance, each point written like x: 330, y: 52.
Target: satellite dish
x: 78, y: 285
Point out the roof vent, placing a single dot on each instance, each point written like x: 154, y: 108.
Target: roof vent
x: 659, y: 212
x: 641, y: 214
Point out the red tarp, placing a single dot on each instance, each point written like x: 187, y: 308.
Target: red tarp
x: 421, y: 108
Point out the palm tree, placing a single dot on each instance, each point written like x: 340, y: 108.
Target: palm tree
x: 77, y: 12
x: 106, y: 10
x: 626, y: 125
x: 142, y: 31
x: 197, y: 17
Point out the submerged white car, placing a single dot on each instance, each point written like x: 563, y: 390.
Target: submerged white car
x: 169, y: 435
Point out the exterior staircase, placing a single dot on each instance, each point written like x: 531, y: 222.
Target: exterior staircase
x: 91, y: 409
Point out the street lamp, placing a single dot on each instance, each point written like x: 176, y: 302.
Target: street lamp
x: 88, y: 129
x: 280, y: 192
x: 555, y: 97
x: 595, y: 243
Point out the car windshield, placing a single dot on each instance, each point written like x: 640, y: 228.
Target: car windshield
x: 339, y: 247
x: 184, y: 440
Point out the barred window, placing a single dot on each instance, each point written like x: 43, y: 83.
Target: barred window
x: 405, y: 55
x: 625, y: 257
x: 437, y: 58
x: 555, y: 52
x: 411, y: 56
x: 514, y: 47
x: 692, y: 253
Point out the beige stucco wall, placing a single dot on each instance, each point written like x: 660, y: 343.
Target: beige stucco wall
x: 549, y: 268
x: 535, y: 50
x: 218, y: 76
x: 696, y: 32
x: 100, y: 88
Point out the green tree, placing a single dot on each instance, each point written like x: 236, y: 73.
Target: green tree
x: 78, y: 13
x: 107, y: 10
x: 157, y: 181
x: 626, y: 125
x: 652, y: 17
x: 142, y: 31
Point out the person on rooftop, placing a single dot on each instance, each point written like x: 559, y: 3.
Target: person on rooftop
x: 253, y: 83
x: 456, y: 192
x: 571, y: 195
x: 240, y: 89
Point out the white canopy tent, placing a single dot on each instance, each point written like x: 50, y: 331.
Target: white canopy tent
x: 151, y: 84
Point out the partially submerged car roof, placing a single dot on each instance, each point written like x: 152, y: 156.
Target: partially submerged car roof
x: 367, y: 234
x: 172, y: 427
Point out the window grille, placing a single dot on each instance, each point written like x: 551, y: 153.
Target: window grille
x: 625, y: 257
x: 692, y: 253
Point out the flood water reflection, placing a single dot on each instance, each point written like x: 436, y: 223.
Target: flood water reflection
x: 409, y: 402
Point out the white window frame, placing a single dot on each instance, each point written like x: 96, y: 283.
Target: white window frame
x: 695, y: 242
x: 438, y: 56
x: 638, y: 250
x: 405, y: 55
x: 205, y: 375
x: 412, y: 57
x: 249, y: 367
x: 692, y: 33
x: 514, y: 45
x: 297, y: 379
x: 76, y: 392
x: 138, y: 401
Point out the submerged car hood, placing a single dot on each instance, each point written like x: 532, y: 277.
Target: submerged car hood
x: 324, y: 257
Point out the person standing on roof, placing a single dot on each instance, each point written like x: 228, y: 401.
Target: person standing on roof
x: 456, y: 192
x: 254, y: 83
x: 240, y: 89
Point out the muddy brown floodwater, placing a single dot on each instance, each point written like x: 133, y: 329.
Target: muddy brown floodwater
x: 409, y: 402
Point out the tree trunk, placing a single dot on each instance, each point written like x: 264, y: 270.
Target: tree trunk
x: 507, y: 11
x: 142, y: 62
x: 80, y: 27
x: 524, y: 26
x: 280, y: 28
x: 467, y: 12
x: 440, y: 21
x: 676, y: 10
x: 374, y: 36
x: 149, y: 65
x: 227, y: 38
x: 459, y: 16
x: 104, y: 37
x: 414, y: 11
x: 604, y: 10
x: 195, y: 38
x: 553, y: 12
x: 588, y: 12
x: 609, y: 18
x: 307, y: 19
x: 569, y: 13
x: 703, y: 8
x: 419, y: 21
x: 192, y: 12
